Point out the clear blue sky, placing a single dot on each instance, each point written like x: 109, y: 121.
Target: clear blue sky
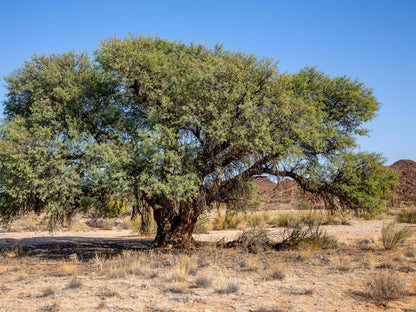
x: 373, y: 41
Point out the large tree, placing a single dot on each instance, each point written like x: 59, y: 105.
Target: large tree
x: 209, y: 120
x: 194, y: 125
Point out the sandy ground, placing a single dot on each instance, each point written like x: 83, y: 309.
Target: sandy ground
x: 89, y: 271
x: 358, y: 229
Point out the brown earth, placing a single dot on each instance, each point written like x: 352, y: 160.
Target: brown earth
x: 116, y: 271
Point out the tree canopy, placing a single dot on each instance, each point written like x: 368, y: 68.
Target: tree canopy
x: 179, y: 127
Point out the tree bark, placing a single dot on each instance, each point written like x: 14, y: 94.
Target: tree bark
x: 175, y: 224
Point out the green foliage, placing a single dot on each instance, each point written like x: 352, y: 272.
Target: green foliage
x: 242, y: 197
x: 54, y: 144
x: 115, y: 208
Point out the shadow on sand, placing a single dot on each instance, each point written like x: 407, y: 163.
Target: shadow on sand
x: 61, y: 247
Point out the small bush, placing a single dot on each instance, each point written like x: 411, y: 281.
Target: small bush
x: 254, y: 240
x: 384, y: 287
x: 255, y: 221
x: 231, y: 220
x: 284, y: 220
x: 407, y: 216
x: 392, y: 234
x: 301, y: 236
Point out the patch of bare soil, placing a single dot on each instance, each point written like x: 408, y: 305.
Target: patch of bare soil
x: 116, y: 271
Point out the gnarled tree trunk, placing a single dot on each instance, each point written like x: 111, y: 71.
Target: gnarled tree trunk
x: 175, y: 224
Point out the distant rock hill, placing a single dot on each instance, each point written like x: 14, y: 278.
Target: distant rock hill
x: 289, y: 192
x: 406, y: 190
x: 286, y: 192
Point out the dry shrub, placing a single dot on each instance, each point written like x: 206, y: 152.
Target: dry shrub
x: 392, y: 234
x: 256, y: 220
x: 254, y: 240
x: 15, y: 251
x: 384, y: 287
x: 407, y: 215
x: 342, y: 263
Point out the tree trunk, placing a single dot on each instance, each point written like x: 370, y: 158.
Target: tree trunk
x: 175, y: 225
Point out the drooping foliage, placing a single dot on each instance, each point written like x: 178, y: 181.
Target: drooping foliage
x: 180, y: 127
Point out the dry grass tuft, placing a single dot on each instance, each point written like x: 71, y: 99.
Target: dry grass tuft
x: 392, y: 234
x: 251, y: 263
x: 107, y: 292
x: 67, y: 267
x: 231, y: 287
x: 183, y: 266
x: 73, y: 284
x: 54, y: 307
x: 275, y: 271
x: 228, y: 221
x: 204, y: 281
x: 49, y: 291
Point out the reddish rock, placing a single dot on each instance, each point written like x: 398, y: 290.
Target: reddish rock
x: 406, y: 190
